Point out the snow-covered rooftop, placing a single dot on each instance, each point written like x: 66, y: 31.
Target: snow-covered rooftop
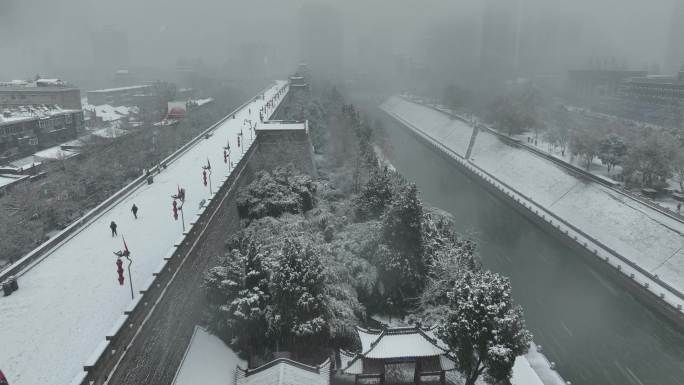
x: 201, y: 102
x: 44, y: 84
x: 207, y: 361
x: 110, y: 132
x: 7, y: 179
x: 110, y: 113
x: 398, y: 343
x: 285, y: 372
x: 18, y: 113
x: 54, y: 153
x: 127, y: 88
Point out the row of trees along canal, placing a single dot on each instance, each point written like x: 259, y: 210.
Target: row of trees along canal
x: 638, y: 154
x: 317, y: 256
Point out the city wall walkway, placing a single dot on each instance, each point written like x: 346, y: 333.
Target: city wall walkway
x: 69, y: 298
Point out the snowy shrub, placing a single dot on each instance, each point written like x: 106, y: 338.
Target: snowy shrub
x: 273, y: 194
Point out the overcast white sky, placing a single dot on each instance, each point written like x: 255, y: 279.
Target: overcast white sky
x: 37, y: 33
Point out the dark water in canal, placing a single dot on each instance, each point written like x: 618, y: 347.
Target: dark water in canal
x: 595, y: 331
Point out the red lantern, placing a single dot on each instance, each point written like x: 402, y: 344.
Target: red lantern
x: 204, y: 177
x: 120, y: 270
x: 175, y: 210
x: 225, y: 156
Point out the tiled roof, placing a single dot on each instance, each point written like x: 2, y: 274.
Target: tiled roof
x: 284, y: 371
x: 399, y: 342
x: 350, y: 363
x: 403, y: 342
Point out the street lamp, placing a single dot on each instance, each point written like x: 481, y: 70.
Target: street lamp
x: 179, y: 196
x: 206, y: 172
x: 125, y: 253
x: 226, y: 154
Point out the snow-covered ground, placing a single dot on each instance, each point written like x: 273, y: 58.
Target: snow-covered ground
x: 639, y: 233
x: 68, y: 302
x: 207, y: 361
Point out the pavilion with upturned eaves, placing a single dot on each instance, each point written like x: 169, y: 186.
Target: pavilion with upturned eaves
x: 403, y: 349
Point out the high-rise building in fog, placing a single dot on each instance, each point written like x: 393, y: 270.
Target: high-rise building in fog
x: 675, y: 47
x: 321, y: 38
x: 110, y: 50
x: 445, y: 46
x: 498, y: 54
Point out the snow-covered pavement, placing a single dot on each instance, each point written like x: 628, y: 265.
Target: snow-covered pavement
x: 67, y: 303
x: 642, y: 235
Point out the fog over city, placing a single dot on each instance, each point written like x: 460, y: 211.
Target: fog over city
x: 556, y: 35
x: 336, y: 192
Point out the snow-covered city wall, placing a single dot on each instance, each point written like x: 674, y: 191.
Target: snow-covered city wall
x: 68, y: 297
x: 639, y: 242
x: 282, y: 144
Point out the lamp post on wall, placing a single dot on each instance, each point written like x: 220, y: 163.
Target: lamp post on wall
x: 125, y: 253
x: 226, y: 154
x: 206, y: 175
x: 178, y: 197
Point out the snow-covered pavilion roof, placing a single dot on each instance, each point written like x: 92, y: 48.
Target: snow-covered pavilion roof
x: 399, y: 342
x: 283, y: 371
x: 393, y: 343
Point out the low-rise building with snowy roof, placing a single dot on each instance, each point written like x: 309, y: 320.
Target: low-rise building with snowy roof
x: 27, y: 128
x: 107, y: 116
x: 283, y: 371
x: 404, y: 346
x: 41, y: 91
x: 118, y: 96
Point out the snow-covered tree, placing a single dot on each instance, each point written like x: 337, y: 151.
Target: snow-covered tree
x: 649, y: 158
x: 238, y: 291
x: 375, y: 195
x: 447, y: 265
x: 585, y: 143
x: 399, y: 259
x: 678, y: 167
x: 402, y: 230
x: 296, y: 314
x: 456, y: 97
x: 483, y: 329
x: 271, y: 194
x: 516, y: 111
x: 612, y: 150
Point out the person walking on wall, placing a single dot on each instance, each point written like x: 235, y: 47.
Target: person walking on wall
x: 113, y: 227
x: 134, y: 210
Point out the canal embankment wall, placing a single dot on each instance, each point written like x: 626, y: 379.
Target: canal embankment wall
x: 633, y: 243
